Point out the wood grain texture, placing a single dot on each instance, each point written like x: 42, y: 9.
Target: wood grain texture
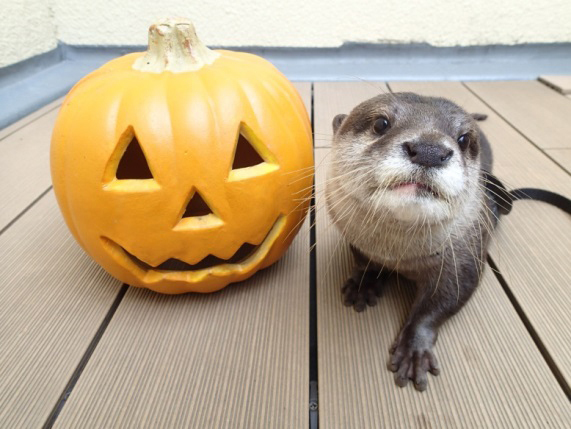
x: 493, y: 375
x: 304, y: 89
x: 25, y: 165
x: 538, y: 112
x: 559, y: 83
x: 53, y: 302
x: 531, y: 247
x: 238, y: 358
x: 330, y: 100
x: 561, y: 156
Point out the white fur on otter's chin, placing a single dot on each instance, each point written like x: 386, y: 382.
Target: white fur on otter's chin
x: 413, y: 209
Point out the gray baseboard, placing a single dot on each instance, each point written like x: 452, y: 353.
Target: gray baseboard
x: 29, y: 85
x: 16, y: 72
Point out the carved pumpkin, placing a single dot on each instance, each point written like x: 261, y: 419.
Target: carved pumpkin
x: 183, y: 169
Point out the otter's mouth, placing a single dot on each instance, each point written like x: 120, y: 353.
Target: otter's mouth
x: 415, y: 188
x: 247, y: 256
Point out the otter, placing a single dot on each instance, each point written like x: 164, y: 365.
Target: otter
x: 406, y: 189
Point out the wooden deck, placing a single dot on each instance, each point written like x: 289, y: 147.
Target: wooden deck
x: 80, y: 350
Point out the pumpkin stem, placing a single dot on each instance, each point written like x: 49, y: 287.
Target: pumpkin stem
x: 175, y: 47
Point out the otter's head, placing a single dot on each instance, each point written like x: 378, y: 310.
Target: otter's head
x: 415, y: 158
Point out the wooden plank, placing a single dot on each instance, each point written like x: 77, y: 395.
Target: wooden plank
x: 562, y: 157
x: 54, y: 299
x: 493, y: 375
x: 559, y: 83
x: 238, y: 358
x: 536, y: 111
x: 10, y: 129
x: 25, y: 165
x: 304, y: 89
x: 330, y: 100
x: 532, y: 245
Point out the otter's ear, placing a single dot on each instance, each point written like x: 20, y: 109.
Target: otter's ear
x: 337, y: 122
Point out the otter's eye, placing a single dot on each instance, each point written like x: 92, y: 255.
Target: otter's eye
x: 381, y: 125
x: 463, y: 141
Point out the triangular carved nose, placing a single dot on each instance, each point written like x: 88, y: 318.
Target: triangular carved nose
x: 197, y: 214
x: 197, y: 207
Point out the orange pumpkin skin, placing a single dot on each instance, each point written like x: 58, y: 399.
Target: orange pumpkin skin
x: 187, y: 125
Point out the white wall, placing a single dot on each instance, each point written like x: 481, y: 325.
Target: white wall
x: 27, y: 29
x: 309, y: 23
x: 321, y: 22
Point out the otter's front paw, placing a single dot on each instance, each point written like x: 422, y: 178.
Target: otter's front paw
x: 362, y: 289
x: 411, y: 358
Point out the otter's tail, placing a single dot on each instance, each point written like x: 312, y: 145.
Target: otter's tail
x: 504, y: 199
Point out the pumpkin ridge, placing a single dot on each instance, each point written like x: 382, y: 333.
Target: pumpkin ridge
x: 293, y: 97
x: 282, y: 118
x: 83, y: 85
x: 198, y: 85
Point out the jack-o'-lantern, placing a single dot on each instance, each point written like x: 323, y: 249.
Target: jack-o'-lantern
x: 183, y: 169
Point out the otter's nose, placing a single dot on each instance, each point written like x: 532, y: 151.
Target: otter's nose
x: 427, y: 154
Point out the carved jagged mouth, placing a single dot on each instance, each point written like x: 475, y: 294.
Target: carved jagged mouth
x: 243, y: 253
x: 244, y: 258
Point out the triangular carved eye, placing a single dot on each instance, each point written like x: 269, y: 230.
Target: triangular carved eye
x: 133, y: 164
x: 128, y: 168
x: 245, y: 155
x: 196, y: 207
x: 251, y: 156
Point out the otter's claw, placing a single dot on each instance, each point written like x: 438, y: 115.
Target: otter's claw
x: 411, y: 361
x: 362, y: 289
